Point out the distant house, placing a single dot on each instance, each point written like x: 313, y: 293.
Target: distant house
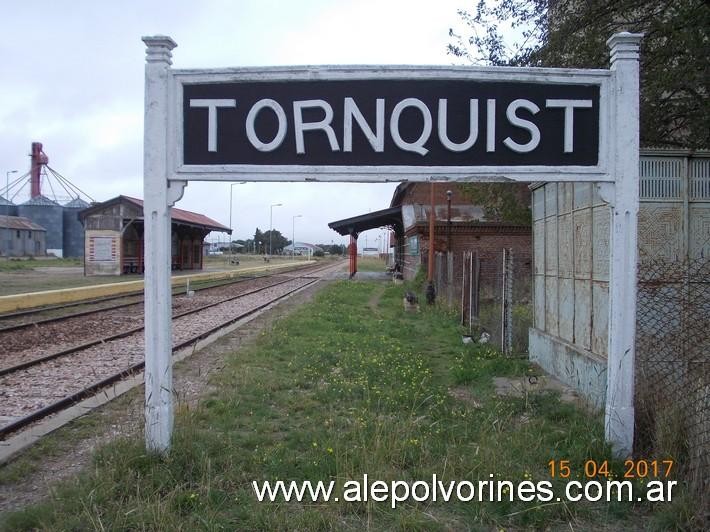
x: 114, y: 237
x: 301, y: 248
x: 21, y: 237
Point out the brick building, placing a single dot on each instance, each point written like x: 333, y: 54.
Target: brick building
x: 458, y: 228
x: 465, y: 229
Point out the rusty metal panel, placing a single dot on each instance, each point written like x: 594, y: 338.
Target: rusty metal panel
x: 539, y: 203
x: 550, y: 199
x: 699, y: 234
x: 600, y: 318
x: 565, y: 288
x: 660, y: 232
x: 539, y: 246
x: 601, y: 217
x: 551, y: 246
x: 539, y: 302
x: 566, y: 247
x: 551, y: 305
x: 583, y: 314
x: 565, y: 197
x: 583, y: 243
x: 582, y: 195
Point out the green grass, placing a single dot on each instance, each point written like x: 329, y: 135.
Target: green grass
x: 371, y: 264
x: 348, y: 385
x: 19, y: 264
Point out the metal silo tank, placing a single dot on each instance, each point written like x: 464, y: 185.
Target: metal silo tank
x: 73, y: 230
x: 50, y: 215
x: 7, y: 208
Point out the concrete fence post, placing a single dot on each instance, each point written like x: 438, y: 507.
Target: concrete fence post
x: 156, y: 214
x: 619, y: 412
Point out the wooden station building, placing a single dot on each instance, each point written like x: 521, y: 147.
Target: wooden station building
x: 114, y: 237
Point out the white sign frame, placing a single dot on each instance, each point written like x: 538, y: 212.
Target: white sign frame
x: 616, y: 175
x: 377, y: 174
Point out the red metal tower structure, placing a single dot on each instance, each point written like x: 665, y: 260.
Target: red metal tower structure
x: 39, y: 159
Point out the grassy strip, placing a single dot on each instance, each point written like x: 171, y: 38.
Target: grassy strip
x: 19, y: 264
x: 347, y: 386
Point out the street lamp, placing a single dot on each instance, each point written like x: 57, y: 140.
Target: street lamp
x: 231, y: 188
x: 7, y: 190
x: 293, y: 235
x: 271, y: 222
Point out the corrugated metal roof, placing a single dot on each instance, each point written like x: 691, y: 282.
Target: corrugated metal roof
x: 189, y: 217
x: 76, y: 203
x: 19, y: 222
x: 178, y: 215
x: 41, y: 200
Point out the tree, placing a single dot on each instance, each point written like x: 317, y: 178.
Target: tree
x: 501, y: 202
x: 675, y: 70
x: 259, y: 241
x: 277, y: 240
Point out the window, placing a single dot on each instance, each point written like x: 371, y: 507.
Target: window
x: 18, y: 233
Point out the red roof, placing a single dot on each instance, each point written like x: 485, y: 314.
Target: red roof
x: 189, y: 217
x: 178, y: 215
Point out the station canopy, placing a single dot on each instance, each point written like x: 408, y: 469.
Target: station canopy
x: 391, y: 217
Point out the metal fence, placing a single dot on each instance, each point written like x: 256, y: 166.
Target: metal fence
x: 492, y: 293
x: 673, y: 368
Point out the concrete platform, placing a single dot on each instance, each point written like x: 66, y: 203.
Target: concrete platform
x: 17, y: 302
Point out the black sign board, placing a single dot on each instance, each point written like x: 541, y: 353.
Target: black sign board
x: 391, y: 123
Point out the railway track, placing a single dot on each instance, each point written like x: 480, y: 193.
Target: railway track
x: 84, y: 370
x: 27, y: 318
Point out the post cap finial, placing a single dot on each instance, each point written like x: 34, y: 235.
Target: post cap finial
x: 624, y: 45
x: 158, y: 48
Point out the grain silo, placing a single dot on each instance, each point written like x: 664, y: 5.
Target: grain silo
x: 73, y: 230
x: 7, y: 208
x: 50, y: 215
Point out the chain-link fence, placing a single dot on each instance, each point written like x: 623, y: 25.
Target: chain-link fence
x: 673, y: 368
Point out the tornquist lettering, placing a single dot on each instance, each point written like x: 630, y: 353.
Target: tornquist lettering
x: 360, y: 123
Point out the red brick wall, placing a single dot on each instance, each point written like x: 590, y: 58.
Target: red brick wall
x: 489, y: 243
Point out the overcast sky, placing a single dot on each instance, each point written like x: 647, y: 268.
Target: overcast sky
x: 72, y: 78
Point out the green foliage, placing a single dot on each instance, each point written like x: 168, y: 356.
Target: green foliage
x: 501, y: 202
x: 273, y: 237
x: 571, y: 33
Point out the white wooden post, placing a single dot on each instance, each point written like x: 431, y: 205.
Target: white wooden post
x: 619, y: 413
x: 156, y: 214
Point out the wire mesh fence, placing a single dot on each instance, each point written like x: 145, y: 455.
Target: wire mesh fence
x: 673, y: 367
